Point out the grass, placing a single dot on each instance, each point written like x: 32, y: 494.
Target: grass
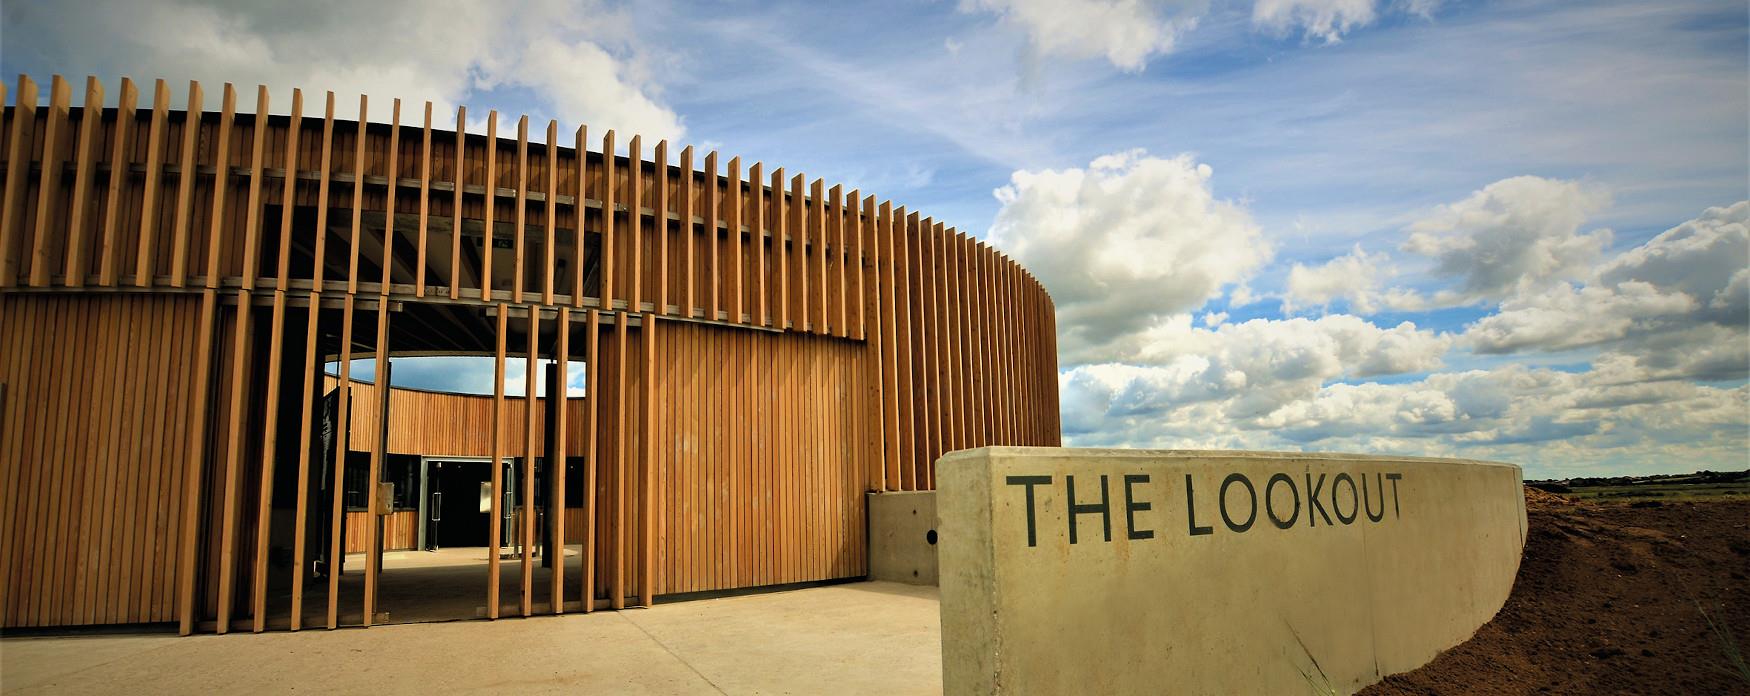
x: 1728, y: 646
x: 1686, y: 492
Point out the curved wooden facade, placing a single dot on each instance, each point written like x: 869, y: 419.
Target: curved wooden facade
x: 760, y: 349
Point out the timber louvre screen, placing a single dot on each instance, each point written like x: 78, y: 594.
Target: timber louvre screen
x: 764, y: 354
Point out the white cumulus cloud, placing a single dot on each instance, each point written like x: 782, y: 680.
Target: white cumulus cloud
x: 572, y: 57
x: 1125, y: 32
x: 1124, y: 243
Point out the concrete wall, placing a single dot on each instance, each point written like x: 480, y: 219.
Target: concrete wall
x: 902, y: 537
x: 1173, y: 580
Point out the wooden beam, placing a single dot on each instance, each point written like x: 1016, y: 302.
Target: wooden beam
x: 461, y: 177
x: 269, y: 457
x: 252, y: 216
x: 647, y: 458
x: 311, y: 379
x: 288, y: 196
x: 319, y: 258
x: 373, y: 523
x: 238, y: 402
x: 358, y: 198
x: 90, y: 118
x: 713, y: 272
x: 486, y: 246
x: 49, y: 184
x: 425, y: 203
x: 662, y: 226
x: 495, y: 539
x: 552, y: 191
x: 146, y: 261
x: 687, y: 232
x: 617, y: 599
x: 191, y: 135
x: 221, y: 181
x: 393, y: 171
x: 195, y: 462
x: 18, y: 156
x: 556, y: 459
x: 342, y: 428
x: 531, y: 361
x: 520, y: 244
x: 120, y: 166
x: 592, y: 443
x: 635, y: 181
x: 609, y: 212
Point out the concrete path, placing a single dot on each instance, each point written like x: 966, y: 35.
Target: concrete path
x: 871, y: 638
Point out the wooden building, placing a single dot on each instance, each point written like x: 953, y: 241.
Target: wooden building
x: 760, y: 349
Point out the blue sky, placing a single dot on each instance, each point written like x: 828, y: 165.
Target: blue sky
x: 1507, y: 230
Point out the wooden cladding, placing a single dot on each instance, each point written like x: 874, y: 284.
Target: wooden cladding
x: 759, y: 348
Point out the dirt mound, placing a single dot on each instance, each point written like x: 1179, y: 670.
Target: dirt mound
x: 1611, y: 598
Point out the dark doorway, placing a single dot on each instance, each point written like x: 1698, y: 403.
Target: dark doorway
x: 456, y: 501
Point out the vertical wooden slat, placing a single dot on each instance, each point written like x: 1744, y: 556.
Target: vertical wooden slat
x: 818, y: 235
x: 239, y: 362
x: 90, y: 119
x: 143, y: 268
x: 392, y: 170
x: 312, y: 381
x: 318, y: 265
x: 635, y: 215
x: 557, y: 460
x: 486, y: 245
x: 799, y: 247
x: 591, y: 443
x: 252, y: 216
x: 358, y: 197
x: 662, y: 225
x: 194, y: 462
x: 495, y: 540
x: 520, y: 219
x: 687, y: 232
x: 841, y: 320
x: 288, y: 195
x: 460, y: 176
x: 343, y: 423
x: 425, y: 204
x: 578, y: 232
x: 617, y: 596
x: 269, y: 456
x: 713, y: 274
x: 531, y: 361
x: 49, y: 185
x: 551, y: 257
x: 861, y: 224
x: 380, y: 448
x: 891, y: 380
x: 781, y: 241
x: 221, y: 180
x: 18, y: 156
x: 119, y: 164
x: 609, y: 212
x: 191, y: 135
x: 647, y: 448
x: 737, y: 289
x: 756, y: 182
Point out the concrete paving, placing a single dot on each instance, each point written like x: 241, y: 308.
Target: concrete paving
x: 871, y: 637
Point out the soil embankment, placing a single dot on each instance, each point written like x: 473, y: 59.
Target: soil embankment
x: 1611, y: 598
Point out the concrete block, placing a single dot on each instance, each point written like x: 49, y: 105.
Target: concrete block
x: 902, y: 537
x: 1214, y: 572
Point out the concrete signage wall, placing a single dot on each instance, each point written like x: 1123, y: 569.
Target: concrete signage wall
x: 1067, y: 571
x: 902, y: 537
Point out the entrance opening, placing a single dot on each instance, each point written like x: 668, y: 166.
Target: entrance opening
x: 459, y: 504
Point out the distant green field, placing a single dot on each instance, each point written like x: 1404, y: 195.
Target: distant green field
x: 1673, y: 492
